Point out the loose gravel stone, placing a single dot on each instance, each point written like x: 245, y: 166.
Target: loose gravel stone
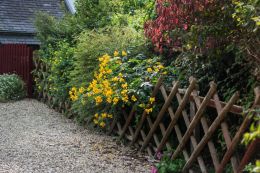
x: 34, y: 138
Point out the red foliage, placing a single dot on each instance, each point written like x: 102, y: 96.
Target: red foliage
x: 172, y: 15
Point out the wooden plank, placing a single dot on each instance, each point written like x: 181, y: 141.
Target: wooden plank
x: 212, y: 149
x: 156, y: 139
x: 225, y: 131
x: 193, y: 139
x: 211, y: 130
x: 112, y: 126
x: 196, y: 119
x: 239, y: 134
x: 143, y: 137
x: 177, y: 114
x: 234, y: 144
x: 140, y: 123
x: 251, y: 150
x: 235, y: 109
x: 129, y: 127
x: 128, y: 121
x: 184, y: 152
x: 163, y: 130
x: 161, y: 113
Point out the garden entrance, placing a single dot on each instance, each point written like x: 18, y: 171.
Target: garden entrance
x: 17, y: 58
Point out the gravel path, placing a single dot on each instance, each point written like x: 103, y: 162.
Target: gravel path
x: 34, y: 138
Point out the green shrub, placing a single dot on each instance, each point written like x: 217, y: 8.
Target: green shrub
x: 93, y: 44
x: 12, y: 87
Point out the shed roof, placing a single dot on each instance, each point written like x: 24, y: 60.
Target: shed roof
x: 17, y: 16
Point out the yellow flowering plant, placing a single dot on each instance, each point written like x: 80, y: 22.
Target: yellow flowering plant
x: 121, y: 80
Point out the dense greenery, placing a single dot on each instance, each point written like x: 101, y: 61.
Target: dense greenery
x: 110, y: 53
x: 12, y: 87
x: 216, y: 40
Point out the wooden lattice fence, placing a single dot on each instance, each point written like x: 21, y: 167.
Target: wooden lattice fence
x: 154, y: 134
x: 186, y: 123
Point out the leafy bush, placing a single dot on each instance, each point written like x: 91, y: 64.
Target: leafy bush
x: 95, y: 43
x: 12, y: 87
x: 61, y: 64
x: 120, y: 13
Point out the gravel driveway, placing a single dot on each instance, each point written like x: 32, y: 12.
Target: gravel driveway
x: 34, y: 138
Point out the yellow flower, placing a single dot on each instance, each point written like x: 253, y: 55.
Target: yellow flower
x: 125, y: 99
x: 95, y: 121
x: 101, y: 59
x: 124, y: 85
x: 102, y: 124
x: 74, y: 97
x: 121, y: 80
x: 152, y: 99
x: 96, y: 116
x: 73, y: 89
x: 110, y: 116
x: 109, y: 71
x: 98, y: 99
x: 123, y: 92
x: 160, y: 66
x: 150, y: 70
x: 116, y: 53
x: 115, y: 79
x: 108, y: 93
x: 133, y: 98
x: 100, y: 75
x: 109, y: 100
x: 124, y: 53
x: 96, y: 91
x: 120, y: 75
x: 115, y: 100
x: 156, y: 69
x: 106, y: 83
x: 106, y: 58
x: 89, y: 95
x: 104, y: 115
x: 81, y: 90
x: 142, y: 105
x: 148, y: 111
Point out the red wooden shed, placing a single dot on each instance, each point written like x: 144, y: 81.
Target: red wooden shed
x: 17, y: 35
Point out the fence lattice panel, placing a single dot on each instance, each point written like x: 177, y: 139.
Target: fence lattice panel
x: 189, y: 123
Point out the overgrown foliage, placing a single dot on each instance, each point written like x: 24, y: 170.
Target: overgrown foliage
x: 211, y: 40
